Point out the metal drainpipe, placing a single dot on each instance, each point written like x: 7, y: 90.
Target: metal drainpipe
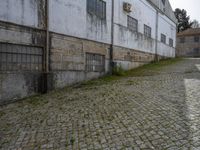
x: 112, y: 38
x: 46, y: 71
x: 156, y: 47
x: 47, y: 37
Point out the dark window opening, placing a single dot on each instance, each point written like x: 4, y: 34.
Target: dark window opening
x: 97, y: 8
x: 196, y: 52
x: 15, y: 57
x: 182, y: 40
x: 196, y: 39
x: 163, y: 38
x: 147, y: 31
x: 163, y: 1
x: 95, y: 62
x: 171, y: 42
x: 132, y: 24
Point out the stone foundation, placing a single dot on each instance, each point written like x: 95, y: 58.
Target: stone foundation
x: 67, y: 62
x: 129, y: 59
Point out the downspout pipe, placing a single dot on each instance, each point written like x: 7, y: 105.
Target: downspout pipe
x: 156, y: 46
x: 112, y: 38
x: 47, y: 38
x: 45, y: 75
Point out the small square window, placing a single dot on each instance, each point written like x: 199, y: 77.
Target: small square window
x: 132, y: 24
x: 97, y: 8
x: 171, y: 42
x: 147, y: 31
x: 163, y: 1
x: 196, y: 39
x: 95, y: 62
x: 182, y: 40
x: 163, y: 38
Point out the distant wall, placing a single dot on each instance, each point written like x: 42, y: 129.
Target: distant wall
x: 188, y: 48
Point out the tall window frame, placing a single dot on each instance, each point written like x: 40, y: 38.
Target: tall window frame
x: 147, y: 31
x: 163, y: 38
x: 171, y: 42
x: 132, y: 24
x: 97, y: 8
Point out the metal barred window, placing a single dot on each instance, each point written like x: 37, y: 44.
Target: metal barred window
x: 171, y: 42
x: 196, y: 39
x: 182, y: 40
x: 132, y: 24
x: 95, y: 62
x: 163, y: 1
x: 147, y: 31
x: 97, y: 8
x: 15, y: 57
x: 196, y: 52
x: 163, y: 38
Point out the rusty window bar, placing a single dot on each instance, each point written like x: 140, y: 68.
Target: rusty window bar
x: 95, y: 62
x: 14, y: 57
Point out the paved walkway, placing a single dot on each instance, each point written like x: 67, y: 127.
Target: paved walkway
x: 158, y: 112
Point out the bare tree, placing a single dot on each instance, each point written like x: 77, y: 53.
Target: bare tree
x: 195, y: 24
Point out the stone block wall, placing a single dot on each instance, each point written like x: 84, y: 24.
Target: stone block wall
x: 68, y: 59
x: 187, y: 48
x: 130, y: 58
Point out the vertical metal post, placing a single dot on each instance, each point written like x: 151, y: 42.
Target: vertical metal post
x: 156, y: 47
x: 112, y: 37
x: 44, y: 78
x: 47, y: 37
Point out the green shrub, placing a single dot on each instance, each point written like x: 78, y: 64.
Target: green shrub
x: 118, y: 71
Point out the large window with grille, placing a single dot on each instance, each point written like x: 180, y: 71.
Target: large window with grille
x: 15, y: 57
x: 97, y: 8
x: 147, y: 31
x: 132, y: 24
x: 163, y: 38
x: 95, y: 62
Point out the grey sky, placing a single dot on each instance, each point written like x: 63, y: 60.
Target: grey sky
x: 191, y: 6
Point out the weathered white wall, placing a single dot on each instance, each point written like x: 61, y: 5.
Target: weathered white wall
x: 145, y: 14
x: 126, y: 38
x: 70, y: 17
x: 24, y: 12
x: 168, y: 28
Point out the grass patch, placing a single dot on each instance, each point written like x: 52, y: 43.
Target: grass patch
x: 36, y: 100
x: 152, y: 68
x: 145, y: 70
x: 2, y: 114
x: 72, y: 141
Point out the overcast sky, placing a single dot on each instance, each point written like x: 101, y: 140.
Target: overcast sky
x: 191, y: 6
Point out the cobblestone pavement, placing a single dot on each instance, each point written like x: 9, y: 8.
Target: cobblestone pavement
x: 158, y: 112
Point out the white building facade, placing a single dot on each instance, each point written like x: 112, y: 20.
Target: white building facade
x: 48, y: 44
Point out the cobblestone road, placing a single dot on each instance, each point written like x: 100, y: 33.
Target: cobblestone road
x: 158, y: 112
